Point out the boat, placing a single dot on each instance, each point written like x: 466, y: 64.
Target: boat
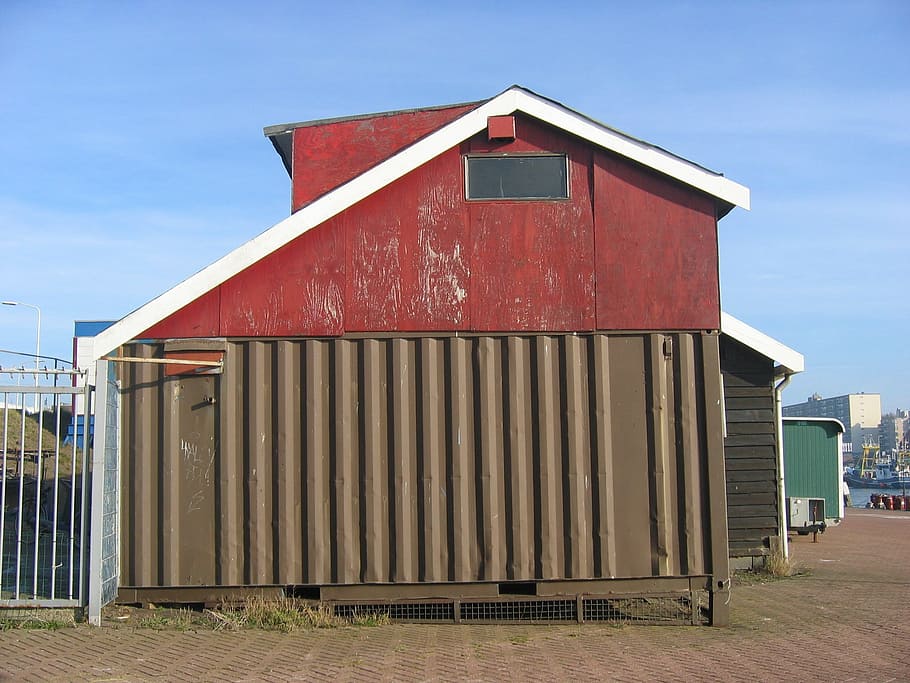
x: 880, y: 470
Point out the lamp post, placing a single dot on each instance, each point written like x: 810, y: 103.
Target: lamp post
x: 37, y: 344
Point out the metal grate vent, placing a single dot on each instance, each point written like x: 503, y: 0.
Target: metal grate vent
x: 400, y: 611
x: 672, y: 609
x: 520, y: 610
x: 665, y: 609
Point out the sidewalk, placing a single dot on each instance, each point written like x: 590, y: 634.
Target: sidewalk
x: 847, y: 620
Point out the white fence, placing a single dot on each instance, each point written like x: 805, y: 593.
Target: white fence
x: 60, y: 490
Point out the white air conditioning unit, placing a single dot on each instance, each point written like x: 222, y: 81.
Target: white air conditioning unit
x: 806, y: 515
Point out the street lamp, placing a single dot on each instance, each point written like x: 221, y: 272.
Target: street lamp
x: 37, y: 343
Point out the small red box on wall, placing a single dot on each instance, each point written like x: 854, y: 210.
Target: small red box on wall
x: 501, y: 127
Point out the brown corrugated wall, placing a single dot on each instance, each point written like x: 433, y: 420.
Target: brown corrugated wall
x: 426, y: 459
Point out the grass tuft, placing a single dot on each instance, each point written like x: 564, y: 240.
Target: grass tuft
x: 776, y: 567
x: 283, y: 614
x: 779, y: 566
x: 33, y: 623
x: 172, y: 620
x: 370, y: 619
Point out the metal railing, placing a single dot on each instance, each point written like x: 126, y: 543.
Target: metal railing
x: 45, y: 470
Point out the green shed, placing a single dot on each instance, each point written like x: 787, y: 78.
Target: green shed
x: 814, y: 463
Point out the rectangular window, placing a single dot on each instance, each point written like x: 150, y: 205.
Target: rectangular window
x: 538, y: 176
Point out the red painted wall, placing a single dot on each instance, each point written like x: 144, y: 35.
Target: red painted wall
x: 656, y: 240
x: 326, y: 156
x: 533, y: 262
x: 197, y: 319
x: 296, y: 290
x: 630, y: 249
x: 408, y: 253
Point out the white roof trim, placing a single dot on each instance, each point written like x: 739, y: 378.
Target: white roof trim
x: 334, y: 202
x: 648, y: 155
x: 791, y: 361
x: 794, y: 418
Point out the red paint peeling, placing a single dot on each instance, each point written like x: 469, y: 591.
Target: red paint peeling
x: 415, y: 256
x: 534, y: 261
x: 296, y: 290
x: 330, y: 154
x: 197, y: 319
x: 407, y: 250
x: 657, y: 251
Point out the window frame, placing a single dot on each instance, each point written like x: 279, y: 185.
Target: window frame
x: 466, y: 175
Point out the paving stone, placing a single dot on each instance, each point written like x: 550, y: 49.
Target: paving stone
x: 844, y: 619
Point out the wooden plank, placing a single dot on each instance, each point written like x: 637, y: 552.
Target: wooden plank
x: 739, y: 452
x: 767, y: 522
x: 763, y: 402
x: 752, y: 464
x: 745, y: 511
x: 745, y: 391
x: 751, y: 535
x: 747, y: 549
x: 763, y: 485
x: 750, y: 440
x: 746, y: 380
x: 739, y: 498
x: 750, y: 415
x: 740, y: 428
x: 736, y: 356
x: 735, y: 476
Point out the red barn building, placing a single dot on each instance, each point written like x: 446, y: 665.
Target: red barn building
x: 476, y: 369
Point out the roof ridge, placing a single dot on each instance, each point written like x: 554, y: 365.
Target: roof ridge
x: 280, y: 128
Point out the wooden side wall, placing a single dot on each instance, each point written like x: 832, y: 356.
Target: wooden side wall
x: 750, y: 449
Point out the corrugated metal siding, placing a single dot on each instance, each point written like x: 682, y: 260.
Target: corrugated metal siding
x: 450, y: 459
x: 812, y: 462
x: 750, y: 449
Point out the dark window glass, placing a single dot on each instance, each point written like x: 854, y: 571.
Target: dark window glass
x: 518, y: 177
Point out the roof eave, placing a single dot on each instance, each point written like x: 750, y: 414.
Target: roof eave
x: 794, y: 418
x: 787, y: 361
x: 284, y: 145
x: 649, y: 155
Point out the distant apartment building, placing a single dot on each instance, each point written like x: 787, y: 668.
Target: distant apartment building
x: 893, y: 431
x: 861, y: 415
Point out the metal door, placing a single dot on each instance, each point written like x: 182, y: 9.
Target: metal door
x: 189, y: 491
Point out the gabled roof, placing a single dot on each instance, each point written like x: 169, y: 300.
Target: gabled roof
x: 787, y: 360
x: 515, y: 99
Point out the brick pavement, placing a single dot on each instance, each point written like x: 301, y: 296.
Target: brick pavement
x: 846, y: 620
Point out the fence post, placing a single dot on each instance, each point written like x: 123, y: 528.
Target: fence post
x: 96, y: 526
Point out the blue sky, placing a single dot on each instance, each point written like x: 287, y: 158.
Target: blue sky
x: 133, y: 153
